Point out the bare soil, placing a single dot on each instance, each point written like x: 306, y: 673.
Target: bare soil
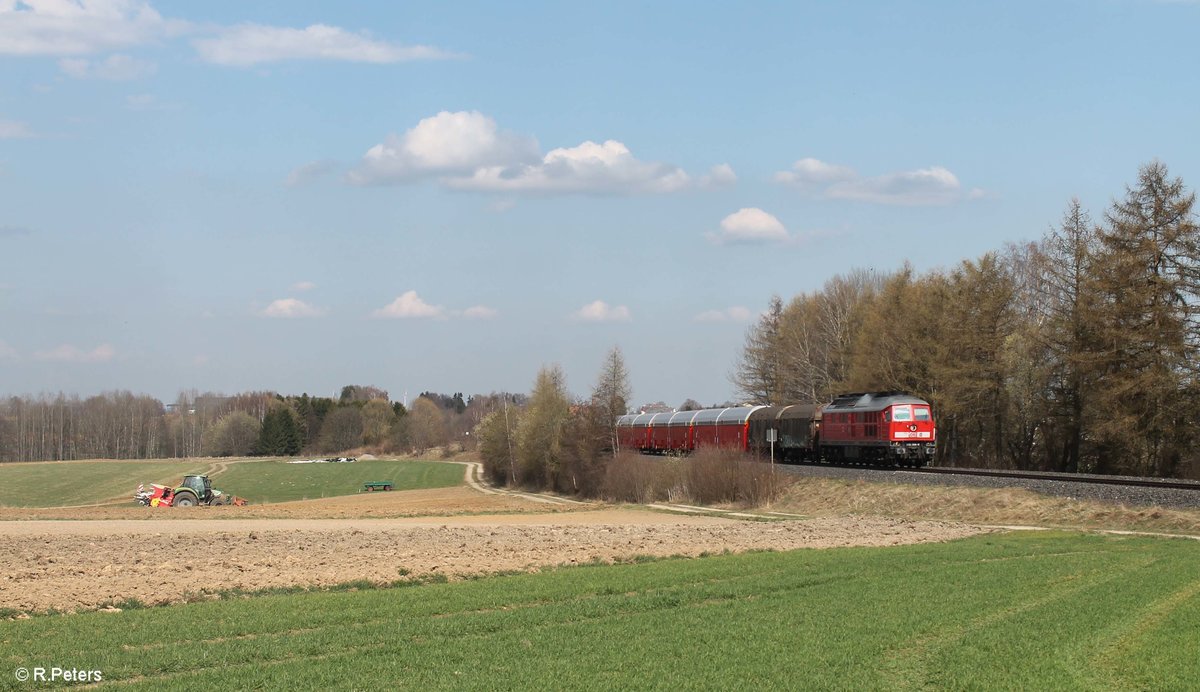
x: 106, y: 555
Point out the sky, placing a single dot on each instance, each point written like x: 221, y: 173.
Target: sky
x: 295, y: 196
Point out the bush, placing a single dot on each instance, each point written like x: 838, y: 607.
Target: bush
x: 632, y: 477
x: 714, y: 475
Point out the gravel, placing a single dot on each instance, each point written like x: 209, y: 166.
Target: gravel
x: 1116, y: 494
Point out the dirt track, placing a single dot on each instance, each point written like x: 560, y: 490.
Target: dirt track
x: 82, y: 564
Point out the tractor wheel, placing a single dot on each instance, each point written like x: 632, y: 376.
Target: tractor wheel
x: 184, y: 500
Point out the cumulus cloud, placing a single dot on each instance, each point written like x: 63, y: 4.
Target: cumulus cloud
x: 309, y: 172
x: 720, y: 175
x: 934, y: 186
x: 303, y: 286
x: 408, y: 305
x: 468, y: 151
x: 814, y: 172
x: 291, y: 308
x: 7, y: 352
x: 67, y: 353
x: 79, y: 27
x: 446, y: 143
x: 11, y: 129
x: 923, y: 187
x: 252, y: 44
x: 752, y: 225
x: 479, y: 312
x: 116, y: 68
x: 590, y: 167
x: 733, y: 314
x: 600, y: 311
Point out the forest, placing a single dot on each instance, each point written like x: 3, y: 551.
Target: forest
x: 121, y: 425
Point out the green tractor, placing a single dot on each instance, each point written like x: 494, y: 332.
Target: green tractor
x: 194, y: 490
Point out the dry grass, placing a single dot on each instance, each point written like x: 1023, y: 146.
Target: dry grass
x: 825, y: 497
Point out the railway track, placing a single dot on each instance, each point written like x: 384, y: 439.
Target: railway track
x: 1171, y: 483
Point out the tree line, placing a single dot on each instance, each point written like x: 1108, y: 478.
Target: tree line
x: 1077, y: 352
x: 553, y: 440
x: 122, y: 425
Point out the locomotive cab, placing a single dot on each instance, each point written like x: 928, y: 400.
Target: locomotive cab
x: 911, y: 431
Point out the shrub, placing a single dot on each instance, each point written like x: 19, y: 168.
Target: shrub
x: 632, y: 477
x: 715, y: 475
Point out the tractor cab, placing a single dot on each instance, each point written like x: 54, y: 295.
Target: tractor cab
x: 200, y: 485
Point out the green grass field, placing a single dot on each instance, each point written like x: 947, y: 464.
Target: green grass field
x: 274, y: 481
x: 61, y: 484
x: 1031, y: 611
x: 64, y: 484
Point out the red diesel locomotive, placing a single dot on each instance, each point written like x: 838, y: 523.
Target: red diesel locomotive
x: 873, y: 428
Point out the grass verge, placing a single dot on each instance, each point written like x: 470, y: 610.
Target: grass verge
x: 1027, y: 610
x: 995, y: 506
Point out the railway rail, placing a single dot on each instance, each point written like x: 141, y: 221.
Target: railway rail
x: 1171, y: 483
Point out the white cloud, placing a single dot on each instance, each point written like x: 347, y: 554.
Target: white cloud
x: 408, y: 305
x: 752, y: 225
x: 600, y: 311
x: 934, y: 186
x: 252, y: 44
x: 309, y: 172
x: 479, y: 312
x: 468, y: 151
x: 7, y: 352
x: 303, y: 286
x: 813, y: 172
x: 11, y: 129
x: 924, y: 187
x: 733, y: 314
x: 443, y: 144
x: 291, y: 308
x: 79, y: 27
x: 72, y: 354
x: 590, y: 167
x: 720, y: 175
x: 115, y: 68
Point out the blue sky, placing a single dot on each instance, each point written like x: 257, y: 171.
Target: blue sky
x: 298, y: 195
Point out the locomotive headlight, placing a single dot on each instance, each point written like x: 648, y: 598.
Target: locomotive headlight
x: 913, y: 427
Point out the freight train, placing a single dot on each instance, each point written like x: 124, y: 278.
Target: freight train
x: 866, y: 427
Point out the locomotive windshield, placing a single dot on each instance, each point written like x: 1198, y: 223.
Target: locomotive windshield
x: 921, y: 413
x: 901, y: 413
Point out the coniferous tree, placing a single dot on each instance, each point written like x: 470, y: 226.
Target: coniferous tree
x: 758, y: 374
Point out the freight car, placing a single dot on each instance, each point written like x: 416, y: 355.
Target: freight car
x: 872, y: 428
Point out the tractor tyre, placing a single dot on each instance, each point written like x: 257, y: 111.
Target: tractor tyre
x: 184, y: 500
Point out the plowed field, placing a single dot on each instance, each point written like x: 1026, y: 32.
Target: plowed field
x: 109, y: 554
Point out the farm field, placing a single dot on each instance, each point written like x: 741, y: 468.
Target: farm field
x: 276, y: 481
x: 1028, y: 610
x: 67, y: 484
x: 70, y: 483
